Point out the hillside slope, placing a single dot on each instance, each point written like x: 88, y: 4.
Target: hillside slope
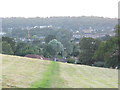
x: 34, y: 73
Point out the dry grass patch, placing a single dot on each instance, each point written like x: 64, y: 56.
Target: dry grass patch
x: 22, y: 72
x: 81, y: 76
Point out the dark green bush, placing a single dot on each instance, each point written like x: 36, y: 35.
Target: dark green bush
x: 99, y: 64
x: 70, y: 60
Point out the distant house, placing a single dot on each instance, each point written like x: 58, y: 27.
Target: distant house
x: 61, y: 60
x: 34, y: 56
x: 38, y: 57
x: 43, y: 58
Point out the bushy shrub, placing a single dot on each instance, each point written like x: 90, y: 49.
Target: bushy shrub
x: 70, y: 60
x: 99, y: 64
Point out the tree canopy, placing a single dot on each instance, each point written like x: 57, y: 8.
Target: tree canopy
x: 55, y: 47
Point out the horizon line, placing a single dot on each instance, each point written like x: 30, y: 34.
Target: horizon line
x: 56, y: 16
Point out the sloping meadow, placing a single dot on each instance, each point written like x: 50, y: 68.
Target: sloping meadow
x: 22, y: 72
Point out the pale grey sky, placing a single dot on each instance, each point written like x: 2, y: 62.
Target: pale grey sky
x: 46, y: 8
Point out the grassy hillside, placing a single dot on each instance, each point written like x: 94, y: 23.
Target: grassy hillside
x: 34, y: 73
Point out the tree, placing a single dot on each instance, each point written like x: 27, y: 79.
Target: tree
x: 76, y: 50
x: 100, y: 52
x: 111, y: 52
x: 49, y: 38
x: 6, y: 48
x: 88, y: 46
x: 117, y: 31
x: 11, y: 42
x: 106, y: 37
x: 24, y: 49
x: 64, y: 36
x: 19, y: 47
x: 55, y: 47
x: 108, y: 52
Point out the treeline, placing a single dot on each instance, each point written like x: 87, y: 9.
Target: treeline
x: 74, y: 23
x: 89, y: 51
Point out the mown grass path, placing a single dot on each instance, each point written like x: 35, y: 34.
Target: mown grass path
x: 51, y: 77
x: 61, y: 75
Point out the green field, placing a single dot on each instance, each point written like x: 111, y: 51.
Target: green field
x: 22, y: 72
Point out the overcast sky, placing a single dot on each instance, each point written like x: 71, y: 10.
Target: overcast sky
x: 47, y: 8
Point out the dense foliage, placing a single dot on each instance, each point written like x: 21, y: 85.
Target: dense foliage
x: 88, y: 46
x: 102, y: 52
x: 108, y: 51
x: 74, y: 23
x: 55, y: 47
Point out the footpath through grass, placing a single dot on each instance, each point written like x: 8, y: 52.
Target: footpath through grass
x: 51, y: 77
